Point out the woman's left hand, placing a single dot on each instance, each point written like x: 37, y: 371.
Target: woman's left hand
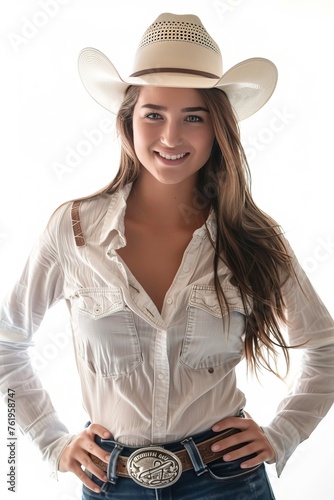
x: 251, y: 435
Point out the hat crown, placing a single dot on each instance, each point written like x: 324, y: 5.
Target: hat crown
x: 178, y: 28
x: 178, y: 41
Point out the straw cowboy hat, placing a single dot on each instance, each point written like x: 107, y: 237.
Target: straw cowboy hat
x: 177, y: 51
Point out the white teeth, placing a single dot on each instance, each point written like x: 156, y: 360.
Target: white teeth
x: 172, y: 157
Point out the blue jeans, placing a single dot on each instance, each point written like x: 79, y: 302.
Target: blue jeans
x: 219, y: 485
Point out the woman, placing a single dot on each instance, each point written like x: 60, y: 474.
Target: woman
x: 172, y: 275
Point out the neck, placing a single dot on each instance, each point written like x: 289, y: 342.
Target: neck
x: 167, y: 205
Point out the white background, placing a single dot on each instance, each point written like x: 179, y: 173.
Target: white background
x: 46, y: 115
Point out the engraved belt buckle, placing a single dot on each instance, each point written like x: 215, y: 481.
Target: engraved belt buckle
x: 154, y: 467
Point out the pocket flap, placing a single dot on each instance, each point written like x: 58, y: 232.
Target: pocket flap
x: 204, y: 297
x: 98, y: 302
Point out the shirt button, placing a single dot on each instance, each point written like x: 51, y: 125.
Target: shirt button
x: 158, y: 423
x: 169, y: 300
x: 186, y: 269
x: 161, y: 376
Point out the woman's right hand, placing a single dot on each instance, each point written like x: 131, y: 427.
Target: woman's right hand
x: 76, y: 454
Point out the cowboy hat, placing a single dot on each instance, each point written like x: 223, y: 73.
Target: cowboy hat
x: 177, y: 51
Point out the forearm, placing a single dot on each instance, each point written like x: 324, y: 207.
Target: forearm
x: 302, y: 410
x: 35, y: 414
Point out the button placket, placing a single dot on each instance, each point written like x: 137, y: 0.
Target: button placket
x: 161, y: 386
x: 182, y: 277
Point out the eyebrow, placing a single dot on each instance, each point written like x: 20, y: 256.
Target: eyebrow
x: 184, y: 110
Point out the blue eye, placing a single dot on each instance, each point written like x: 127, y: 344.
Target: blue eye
x: 153, y: 116
x: 194, y: 118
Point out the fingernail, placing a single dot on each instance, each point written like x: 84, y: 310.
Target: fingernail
x: 105, y: 478
x: 97, y: 490
x: 215, y: 428
x: 106, y: 434
x: 227, y: 457
x: 215, y: 447
x: 107, y: 458
x: 244, y: 466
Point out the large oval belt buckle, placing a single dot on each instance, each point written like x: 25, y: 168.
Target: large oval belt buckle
x: 154, y: 467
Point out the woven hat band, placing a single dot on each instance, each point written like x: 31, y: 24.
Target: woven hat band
x: 175, y: 70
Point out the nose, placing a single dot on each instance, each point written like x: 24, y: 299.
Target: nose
x: 171, y: 134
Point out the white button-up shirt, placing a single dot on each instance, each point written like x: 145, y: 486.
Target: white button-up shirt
x: 151, y: 377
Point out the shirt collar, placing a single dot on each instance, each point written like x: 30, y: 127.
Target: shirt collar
x: 113, y: 226
x: 211, y: 225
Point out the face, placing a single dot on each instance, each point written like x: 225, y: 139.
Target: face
x: 173, y: 133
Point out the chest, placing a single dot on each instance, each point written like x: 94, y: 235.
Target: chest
x: 154, y: 258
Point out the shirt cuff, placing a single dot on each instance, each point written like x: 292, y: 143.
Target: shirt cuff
x: 284, y: 442
x: 51, y: 437
x: 57, y: 450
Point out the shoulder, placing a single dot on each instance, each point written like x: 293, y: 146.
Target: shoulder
x: 89, y: 209
x: 88, y: 216
x: 84, y: 219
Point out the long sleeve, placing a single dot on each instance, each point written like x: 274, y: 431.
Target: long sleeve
x: 298, y: 414
x: 39, y: 287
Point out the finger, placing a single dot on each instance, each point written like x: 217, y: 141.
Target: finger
x: 94, y: 449
x: 77, y: 470
x: 99, y: 430
x: 236, y: 439
x: 258, y: 447
x: 245, y: 451
x: 231, y: 422
x: 252, y: 462
x: 85, y: 461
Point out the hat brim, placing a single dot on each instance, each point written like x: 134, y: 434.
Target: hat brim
x: 248, y: 85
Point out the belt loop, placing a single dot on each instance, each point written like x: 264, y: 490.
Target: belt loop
x: 111, y: 471
x: 195, y: 456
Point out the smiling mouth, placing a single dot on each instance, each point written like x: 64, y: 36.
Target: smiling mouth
x: 172, y: 157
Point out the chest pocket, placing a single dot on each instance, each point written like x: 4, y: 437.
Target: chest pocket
x: 212, y: 339
x: 105, y: 335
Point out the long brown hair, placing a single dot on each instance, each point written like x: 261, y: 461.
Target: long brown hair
x: 248, y: 241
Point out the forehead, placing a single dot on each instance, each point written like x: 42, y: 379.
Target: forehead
x: 170, y: 97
